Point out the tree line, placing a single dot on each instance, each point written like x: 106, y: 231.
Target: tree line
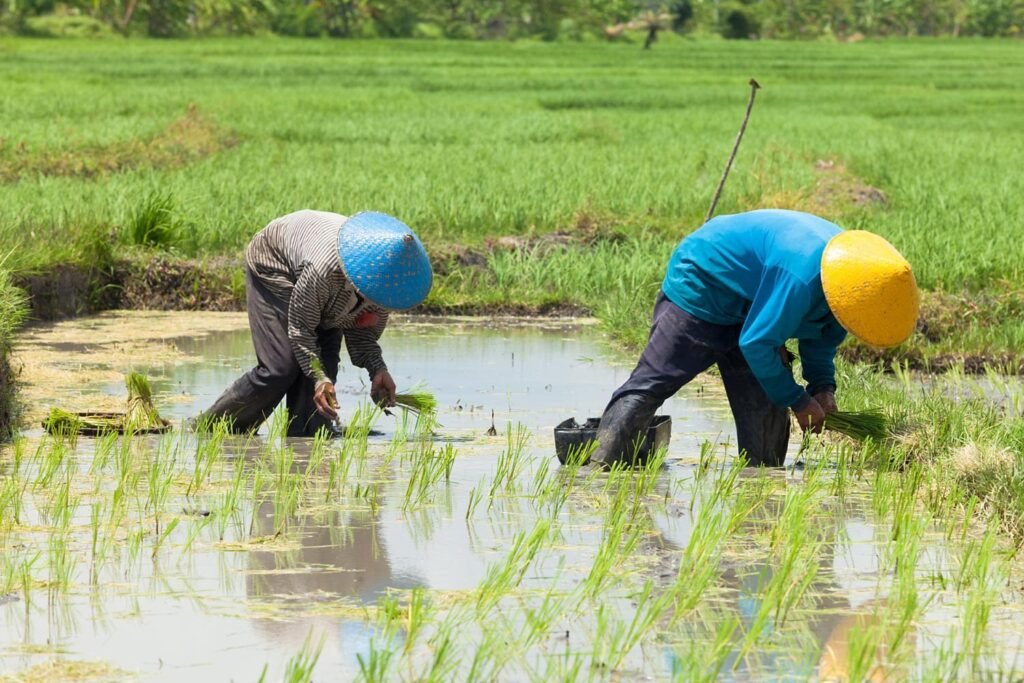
x: 513, y: 19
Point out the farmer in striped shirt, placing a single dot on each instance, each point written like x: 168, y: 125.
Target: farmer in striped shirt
x: 312, y: 279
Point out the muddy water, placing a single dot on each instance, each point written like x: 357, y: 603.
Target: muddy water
x: 204, y: 608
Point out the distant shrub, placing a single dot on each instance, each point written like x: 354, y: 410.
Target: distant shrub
x: 740, y: 25
x: 427, y: 31
x: 67, y: 26
x: 297, y: 20
x: 460, y: 31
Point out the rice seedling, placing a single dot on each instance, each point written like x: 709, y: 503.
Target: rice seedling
x: 859, y: 425
x: 375, y: 665
x: 299, y: 668
x: 475, y: 496
x: 417, y: 613
x: 510, y: 461
x: 648, y: 611
x: 428, y: 468
x: 231, y: 501
x: 161, y: 472
x: 141, y: 414
x: 504, y: 576
x: 487, y: 661
x: 621, y: 537
x: 417, y: 401
x: 209, y: 451
x: 702, y: 662
x: 444, y: 661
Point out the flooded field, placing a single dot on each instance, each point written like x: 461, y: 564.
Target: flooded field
x: 421, y: 551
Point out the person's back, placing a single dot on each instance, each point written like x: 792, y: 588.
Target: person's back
x: 716, y: 271
x: 278, y: 253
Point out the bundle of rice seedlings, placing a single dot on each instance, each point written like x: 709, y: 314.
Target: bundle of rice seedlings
x: 62, y: 422
x: 859, y: 425
x: 417, y: 401
x: 141, y: 414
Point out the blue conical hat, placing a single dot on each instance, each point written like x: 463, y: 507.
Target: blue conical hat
x: 385, y: 260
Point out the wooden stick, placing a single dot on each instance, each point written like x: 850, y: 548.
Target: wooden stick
x: 754, y: 87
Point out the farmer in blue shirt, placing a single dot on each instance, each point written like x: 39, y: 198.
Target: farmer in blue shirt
x: 735, y: 291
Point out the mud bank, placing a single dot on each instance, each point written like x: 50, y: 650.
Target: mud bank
x: 12, y: 311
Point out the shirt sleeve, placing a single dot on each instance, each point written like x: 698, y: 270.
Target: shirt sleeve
x: 363, y: 347
x: 775, y: 314
x: 305, y: 310
x: 818, y: 357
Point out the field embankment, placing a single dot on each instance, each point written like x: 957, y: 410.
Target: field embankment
x: 12, y: 311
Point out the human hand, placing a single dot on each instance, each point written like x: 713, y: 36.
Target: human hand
x: 382, y: 389
x: 811, y: 418
x: 827, y: 400
x: 326, y: 400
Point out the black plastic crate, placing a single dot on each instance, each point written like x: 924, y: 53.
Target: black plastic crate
x: 570, y: 436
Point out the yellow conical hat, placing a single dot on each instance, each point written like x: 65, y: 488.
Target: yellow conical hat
x: 870, y: 288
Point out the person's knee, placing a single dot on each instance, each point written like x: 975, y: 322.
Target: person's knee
x: 277, y: 380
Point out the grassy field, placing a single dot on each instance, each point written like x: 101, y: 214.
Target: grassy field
x: 193, y: 146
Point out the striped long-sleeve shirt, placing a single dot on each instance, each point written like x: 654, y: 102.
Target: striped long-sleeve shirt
x: 296, y: 256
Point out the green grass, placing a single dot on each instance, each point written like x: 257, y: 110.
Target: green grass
x: 12, y: 313
x: 470, y: 141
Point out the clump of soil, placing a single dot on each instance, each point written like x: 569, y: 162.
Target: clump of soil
x: 67, y: 290
x: 188, y: 138
x: 162, y: 283
x: 12, y: 311
x: 6, y: 396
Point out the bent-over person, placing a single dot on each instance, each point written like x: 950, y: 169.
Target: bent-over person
x: 312, y: 280
x: 735, y: 291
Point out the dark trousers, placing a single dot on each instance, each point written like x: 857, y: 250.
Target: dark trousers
x: 252, y: 398
x: 679, y: 348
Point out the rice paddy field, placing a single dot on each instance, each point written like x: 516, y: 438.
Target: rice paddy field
x: 543, y: 178
x: 437, y: 549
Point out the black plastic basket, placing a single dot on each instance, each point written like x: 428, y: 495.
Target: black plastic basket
x: 571, y: 437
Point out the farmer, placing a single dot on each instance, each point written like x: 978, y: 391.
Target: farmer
x: 312, y: 278
x: 734, y: 292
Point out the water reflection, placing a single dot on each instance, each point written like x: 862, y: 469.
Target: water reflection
x: 814, y: 640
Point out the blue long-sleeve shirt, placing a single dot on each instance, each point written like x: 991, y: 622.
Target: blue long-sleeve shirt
x: 762, y: 270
